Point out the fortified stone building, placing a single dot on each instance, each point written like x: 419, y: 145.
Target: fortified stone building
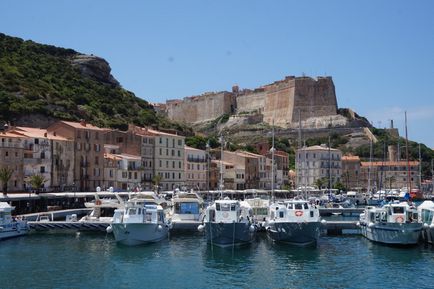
x: 285, y: 100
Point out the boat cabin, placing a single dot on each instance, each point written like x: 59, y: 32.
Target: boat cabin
x: 392, y: 213
x: 140, y: 214
x: 228, y: 211
x: 296, y: 210
x: 426, y: 212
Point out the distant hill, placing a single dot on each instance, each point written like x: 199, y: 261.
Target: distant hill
x: 42, y: 83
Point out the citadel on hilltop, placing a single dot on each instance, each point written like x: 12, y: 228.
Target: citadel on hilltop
x: 286, y: 101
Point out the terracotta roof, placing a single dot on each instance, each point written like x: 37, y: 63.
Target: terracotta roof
x: 248, y: 154
x: 38, y: 133
x: 192, y: 149
x: 317, y: 148
x: 281, y: 153
x: 223, y: 162
x: 156, y: 132
x: 389, y: 164
x: 83, y: 125
x: 11, y: 134
x: 350, y: 158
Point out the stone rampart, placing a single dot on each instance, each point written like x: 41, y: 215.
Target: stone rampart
x: 284, y: 101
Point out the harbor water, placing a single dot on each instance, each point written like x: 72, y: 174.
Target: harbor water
x: 90, y: 260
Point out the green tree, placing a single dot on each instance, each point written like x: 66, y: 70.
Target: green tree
x: 37, y: 181
x: 321, y: 182
x: 339, y: 186
x: 5, y: 176
x: 156, y: 180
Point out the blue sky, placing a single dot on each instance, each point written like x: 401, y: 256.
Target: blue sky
x: 379, y: 53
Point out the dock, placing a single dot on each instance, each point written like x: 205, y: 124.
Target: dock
x: 340, y: 211
x: 335, y: 228
x: 63, y: 225
x: 56, y: 215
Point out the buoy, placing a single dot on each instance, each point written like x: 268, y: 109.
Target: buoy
x: 358, y: 224
x: 323, y: 222
x: 159, y: 228
x: 252, y: 228
x: 431, y: 226
x: 371, y: 225
x: 109, y: 229
x: 200, y: 228
x: 425, y: 225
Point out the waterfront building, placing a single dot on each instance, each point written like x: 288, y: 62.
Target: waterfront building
x: 248, y: 162
x: 88, y: 152
x: 196, y: 168
x: 11, y: 157
x: 318, y: 163
x: 169, y: 159
x: 389, y: 174
x: 281, y: 160
x: 233, y: 178
x: 351, y: 172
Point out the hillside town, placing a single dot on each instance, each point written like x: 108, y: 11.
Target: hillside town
x: 78, y: 156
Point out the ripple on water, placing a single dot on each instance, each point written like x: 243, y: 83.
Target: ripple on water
x: 95, y: 261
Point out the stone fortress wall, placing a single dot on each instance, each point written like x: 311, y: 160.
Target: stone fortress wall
x: 284, y: 101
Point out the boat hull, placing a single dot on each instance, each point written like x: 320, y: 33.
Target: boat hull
x: 139, y: 233
x: 305, y: 233
x: 393, y: 233
x: 185, y: 226
x: 428, y: 235
x: 13, y: 230
x: 229, y: 234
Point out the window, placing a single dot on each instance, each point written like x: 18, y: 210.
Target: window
x: 36, y: 141
x: 6, y: 153
x: 173, y: 142
x: 179, y: 153
x: 180, y: 142
x: 42, y: 170
x: 96, y: 161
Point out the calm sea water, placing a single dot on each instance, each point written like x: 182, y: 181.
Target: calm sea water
x: 90, y: 260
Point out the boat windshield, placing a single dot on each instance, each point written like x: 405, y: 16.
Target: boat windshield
x: 187, y: 208
x: 132, y: 211
x: 398, y: 210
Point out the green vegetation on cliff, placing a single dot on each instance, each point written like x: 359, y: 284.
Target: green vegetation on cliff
x: 41, y: 79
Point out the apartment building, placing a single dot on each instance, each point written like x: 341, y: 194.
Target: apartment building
x: 196, y: 168
x: 11, y: 157
x: 169, y: 159
x: 88, y: 152
x: 318, y: 162
x: 389, y: 174
x: 351, y: 172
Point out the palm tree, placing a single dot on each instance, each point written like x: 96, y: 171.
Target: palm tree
x: 156, y: 180
x: 37, y: 181
x: 5, y: 176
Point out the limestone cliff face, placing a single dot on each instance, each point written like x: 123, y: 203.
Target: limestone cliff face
x: 94, y: 67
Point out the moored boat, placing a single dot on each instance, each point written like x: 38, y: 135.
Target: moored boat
x: 187, y: 211
x: 395, y: 224
x: 426, y: 217
x: 229, y: 223
x: 141, y: 221
x: 295, y: 222
x: 9, y: 226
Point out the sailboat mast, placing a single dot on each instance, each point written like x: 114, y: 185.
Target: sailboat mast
x: 221, y: 166
x: 370, y: 166
x: 406, y: 153
x: 272, y: 164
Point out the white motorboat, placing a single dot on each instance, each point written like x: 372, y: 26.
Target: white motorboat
x: 426, y: 217
x: 229, y: 223
x: 140, y: 221
x: 186, y: 212
x: 295, y: 222
x: 395, y: 224
x: 10, y: 226
x: 260, y: 208
x: 102, y: 210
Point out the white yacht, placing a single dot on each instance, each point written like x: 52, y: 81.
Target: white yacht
x: 395, y: 223
x: 295, y: 222
x: 229, y: 223
x: 102, y: 210
x: 9, y: 226
x: 426, y: 217
x: 140, y: 221
x: 186, y: 212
